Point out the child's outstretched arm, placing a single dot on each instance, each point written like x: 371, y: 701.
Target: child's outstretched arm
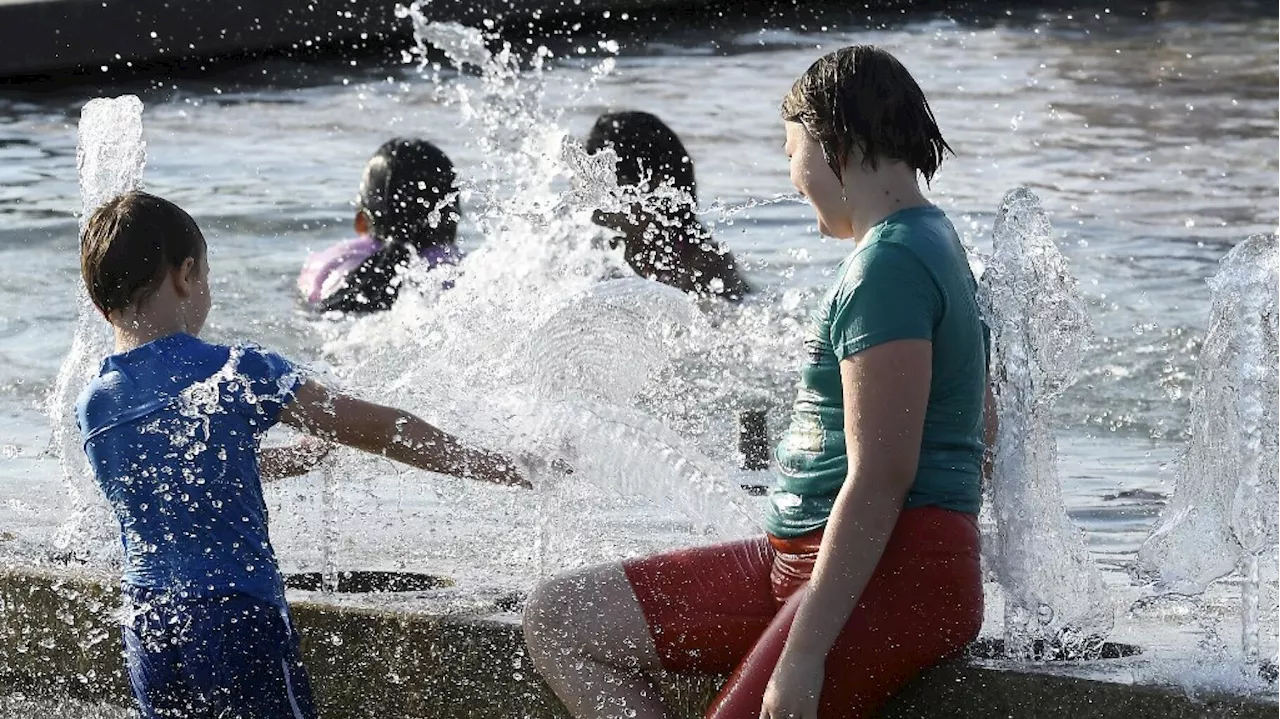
x: 394, y: 434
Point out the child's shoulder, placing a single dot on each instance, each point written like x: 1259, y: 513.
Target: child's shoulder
x: 135, y: 383
x: 196, y: 354
x: 915, y: 226
x: 252, y: 354
x: 142, y: 381
x: 243, y: 360
x: 923, y: 232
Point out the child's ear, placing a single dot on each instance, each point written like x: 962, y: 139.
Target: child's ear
x: 184, y: 276
x: 362, y: 223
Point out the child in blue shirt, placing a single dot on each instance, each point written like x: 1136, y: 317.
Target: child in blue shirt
x: 172, y: 426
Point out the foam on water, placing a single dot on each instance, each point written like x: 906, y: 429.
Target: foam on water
x: 1054, y: 594
x: 110, y: 156
x: 1222, y: 517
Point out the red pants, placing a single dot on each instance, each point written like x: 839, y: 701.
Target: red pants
x: 726, y: 607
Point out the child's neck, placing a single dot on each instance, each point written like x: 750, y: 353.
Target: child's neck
x: 881, y: 193
x: 133, y: 329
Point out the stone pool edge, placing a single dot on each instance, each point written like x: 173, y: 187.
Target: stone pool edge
x: 58, y: 635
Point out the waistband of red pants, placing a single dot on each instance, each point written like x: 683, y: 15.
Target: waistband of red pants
x: 926, y: 529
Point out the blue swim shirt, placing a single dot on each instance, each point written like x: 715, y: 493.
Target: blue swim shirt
x: 172, y: 430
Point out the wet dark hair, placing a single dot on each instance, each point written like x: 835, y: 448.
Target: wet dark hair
x: 861, y: 98
x: 650, y: 154
x: 409, y: 194
x: 130, y: 243
x: 676, y: 249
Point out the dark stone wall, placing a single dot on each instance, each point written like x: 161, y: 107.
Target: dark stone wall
x: 50, y: 38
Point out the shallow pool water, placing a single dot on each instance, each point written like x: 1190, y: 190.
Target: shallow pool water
x: 1150, y: 139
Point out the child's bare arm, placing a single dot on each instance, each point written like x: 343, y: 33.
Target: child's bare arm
x: 394, y: 434
x: 292, y: 461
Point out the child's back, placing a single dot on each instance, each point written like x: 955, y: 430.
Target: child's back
x: 171, y: 429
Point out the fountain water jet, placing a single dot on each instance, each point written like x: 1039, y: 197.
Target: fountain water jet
x: 1222, y: 517
x: 110, y: 156
x: 1056, y: 605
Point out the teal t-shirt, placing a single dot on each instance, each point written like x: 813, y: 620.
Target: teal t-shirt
x: 907, y: 279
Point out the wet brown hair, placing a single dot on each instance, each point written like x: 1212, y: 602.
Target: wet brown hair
x: 130, y: 243
x: 861, y: 98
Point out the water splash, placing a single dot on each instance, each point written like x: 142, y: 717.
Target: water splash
x: 110, y: 156
x: 545, y: 344
x: 723, y: 213
x: 462, y: 44
x: 606, y: 342
x: 1223, y: 512
x: 330, y: 541
x: 625, y: 453
x: 1055, y: 600
x: 111, y: 153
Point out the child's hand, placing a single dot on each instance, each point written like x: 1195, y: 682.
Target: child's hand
x: 518, y: 469
x: 535, y: 465
x: 498, y: 469
x: 294, y: 460
x: 514, y: 474
x: 312, y: 450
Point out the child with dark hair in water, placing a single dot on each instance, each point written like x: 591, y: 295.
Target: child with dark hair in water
x: 407, y: 210
x: 662, y: 237
x: 172, y: 426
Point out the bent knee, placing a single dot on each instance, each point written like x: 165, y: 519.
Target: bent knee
x: 572, y: 610
x: 543, y: 605
x: 546, y: 619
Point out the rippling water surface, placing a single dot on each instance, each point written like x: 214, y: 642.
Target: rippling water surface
x: 1152, y: 140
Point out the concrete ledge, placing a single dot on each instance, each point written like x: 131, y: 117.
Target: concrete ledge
x: 58, y: 635
x: 967, y: 690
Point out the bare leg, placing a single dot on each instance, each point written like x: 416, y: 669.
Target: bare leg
x: 589, y: 639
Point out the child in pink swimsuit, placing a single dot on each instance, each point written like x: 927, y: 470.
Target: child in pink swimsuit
x: 408, y: 210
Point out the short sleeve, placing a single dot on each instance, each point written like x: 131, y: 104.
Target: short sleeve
x: 887, y: 294
x: 269, y: 382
